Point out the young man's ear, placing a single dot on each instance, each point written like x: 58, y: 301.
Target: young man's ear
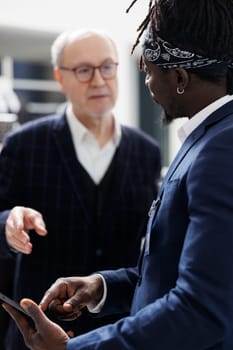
x: 182, y: 78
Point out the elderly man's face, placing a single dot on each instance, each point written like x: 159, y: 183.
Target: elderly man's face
x: 97, y: 97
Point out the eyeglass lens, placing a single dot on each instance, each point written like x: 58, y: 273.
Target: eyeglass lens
x: 85, y: 73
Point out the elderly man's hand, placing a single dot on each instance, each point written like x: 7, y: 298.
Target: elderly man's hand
x: 44, y: 335
x: 19, y: 222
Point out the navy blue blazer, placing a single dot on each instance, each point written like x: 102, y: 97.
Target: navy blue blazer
x: 39, y: 169
x: 181, y: 296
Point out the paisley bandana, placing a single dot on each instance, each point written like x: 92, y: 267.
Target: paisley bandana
x: 164, y: 54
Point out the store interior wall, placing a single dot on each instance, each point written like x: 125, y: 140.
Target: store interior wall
x: 27, y: 29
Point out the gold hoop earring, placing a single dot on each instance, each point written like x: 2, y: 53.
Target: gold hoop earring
x: 179, y: 91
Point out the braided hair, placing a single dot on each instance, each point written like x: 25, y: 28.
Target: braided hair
x: 204, y: 27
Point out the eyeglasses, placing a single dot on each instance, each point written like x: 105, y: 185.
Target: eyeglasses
x: 85, y: 73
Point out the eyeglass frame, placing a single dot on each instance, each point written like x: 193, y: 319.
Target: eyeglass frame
x: 74, y: 70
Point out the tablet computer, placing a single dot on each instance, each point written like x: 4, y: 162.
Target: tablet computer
x: 7, y: 300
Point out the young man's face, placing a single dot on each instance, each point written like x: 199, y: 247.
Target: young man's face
x: 162, y: 85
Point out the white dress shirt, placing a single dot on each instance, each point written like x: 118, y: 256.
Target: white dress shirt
x: 94, y: 159
x: 198, y: 118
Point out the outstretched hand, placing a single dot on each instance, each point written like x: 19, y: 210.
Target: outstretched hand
x: 45, y: 334
x: 19, y: 222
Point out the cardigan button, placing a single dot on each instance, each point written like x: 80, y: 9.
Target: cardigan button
x: 98, y: 252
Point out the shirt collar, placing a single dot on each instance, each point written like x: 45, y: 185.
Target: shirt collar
x: 198, y: 118
x: 79, y: 131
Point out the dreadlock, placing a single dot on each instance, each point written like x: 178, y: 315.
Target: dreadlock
x: 146, y: 21
x: 204, y: 27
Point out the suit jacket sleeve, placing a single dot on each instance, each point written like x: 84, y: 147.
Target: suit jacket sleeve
x: 9, y: 165
x: 120, y: 289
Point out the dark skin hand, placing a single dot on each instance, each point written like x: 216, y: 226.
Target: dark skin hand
x: 44, y: 335
x: 67, y: 296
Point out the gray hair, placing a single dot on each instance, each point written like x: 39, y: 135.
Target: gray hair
x: 69, y: 36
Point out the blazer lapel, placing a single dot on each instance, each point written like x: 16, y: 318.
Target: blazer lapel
x: 214, y: 118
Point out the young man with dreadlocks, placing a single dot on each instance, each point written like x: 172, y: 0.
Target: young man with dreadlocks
x: 181, y: 294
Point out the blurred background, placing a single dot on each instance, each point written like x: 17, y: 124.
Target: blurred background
x: 27, y: 88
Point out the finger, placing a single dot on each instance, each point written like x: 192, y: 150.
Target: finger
x: 39, y: 226
x: 76, y: 302
x: 20, y: 241
x: 71, y: 316
x: 22, y: 248
x: 57, y: 308
x: 35, y: 312
x: 35, y: 221
x: 57, y: 292
x: 20, y: 238
x: 70, y: 334
x: 21, y: 321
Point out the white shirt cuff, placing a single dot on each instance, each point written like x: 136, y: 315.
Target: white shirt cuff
x: 96, y: 308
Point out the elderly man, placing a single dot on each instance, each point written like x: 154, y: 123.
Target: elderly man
x: 81, y: 176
